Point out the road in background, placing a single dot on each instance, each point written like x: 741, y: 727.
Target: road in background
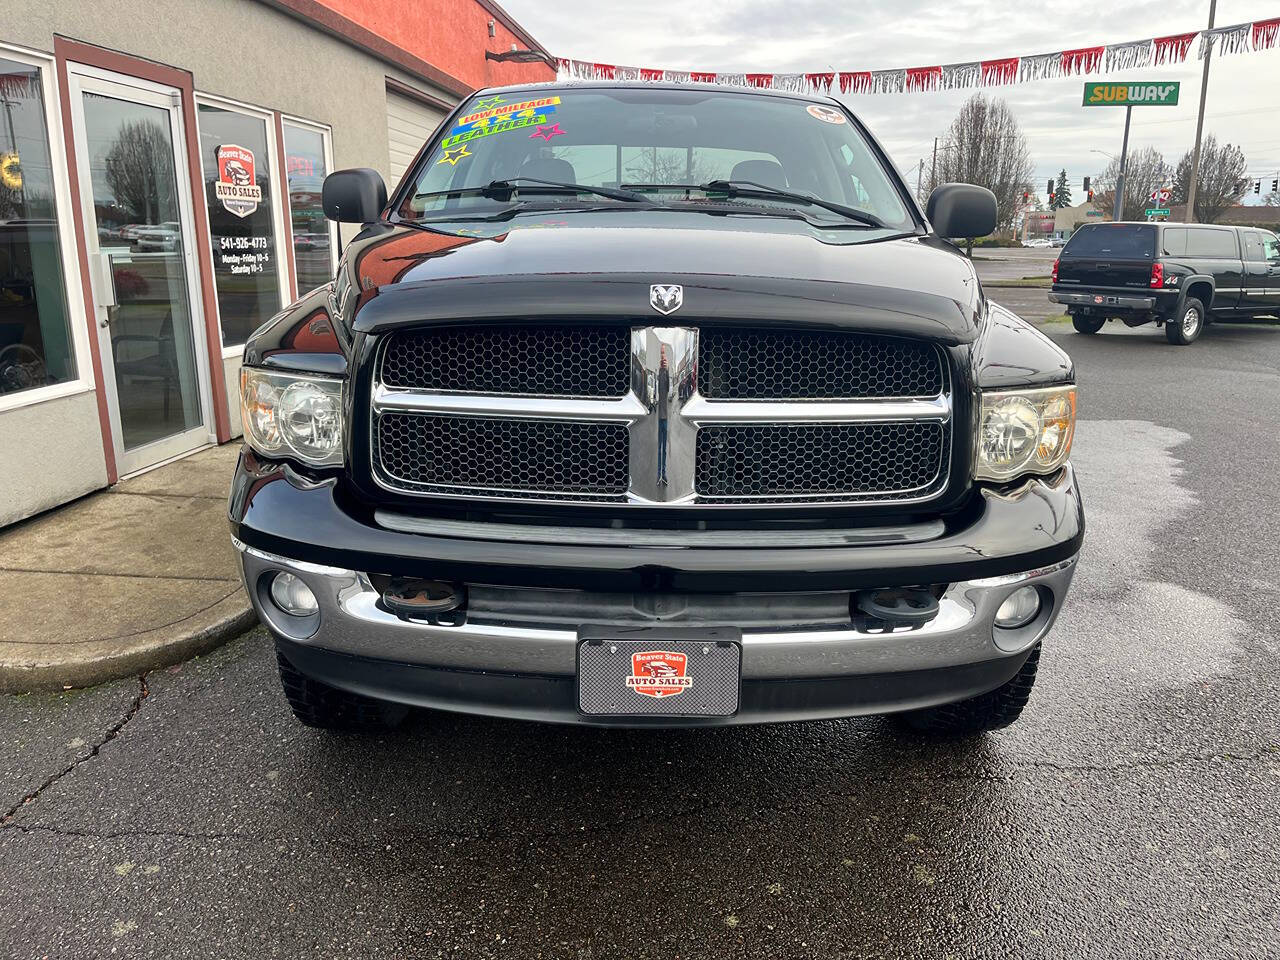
x: 1132, y: 811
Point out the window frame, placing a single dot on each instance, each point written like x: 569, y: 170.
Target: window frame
x: 66, y: 221
x: 326, y: 137
x: 230, y: 350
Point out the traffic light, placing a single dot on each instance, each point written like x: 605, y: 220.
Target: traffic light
x: 1275, y: 185
x: 1086, y: 185
x: 1026, y: 196
x: 1257, y: 186
x: 1049, y: 189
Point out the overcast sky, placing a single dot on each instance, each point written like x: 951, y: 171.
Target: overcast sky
x: 787, y: 36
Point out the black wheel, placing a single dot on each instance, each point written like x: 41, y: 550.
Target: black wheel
x: 1187, y: 324
x: 319, y: 705
x: 988, y: 711
x: 1087, y: 324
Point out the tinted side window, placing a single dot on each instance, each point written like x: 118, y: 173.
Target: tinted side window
x: 1252, y: 245
x: 1175, y: 242
x: 1213, y: 244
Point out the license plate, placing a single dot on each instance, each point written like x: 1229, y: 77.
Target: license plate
x: 659, y: 676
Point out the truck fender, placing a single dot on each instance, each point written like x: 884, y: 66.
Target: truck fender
x: 1187, y: 282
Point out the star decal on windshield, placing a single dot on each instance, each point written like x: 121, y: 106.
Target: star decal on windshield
x: 546, y: 133
x: 454, y: 154
x: 488, y: 103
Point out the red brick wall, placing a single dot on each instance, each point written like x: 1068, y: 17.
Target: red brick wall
x: 451, y: 35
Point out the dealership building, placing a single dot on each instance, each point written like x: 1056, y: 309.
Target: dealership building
x: 160, y: 170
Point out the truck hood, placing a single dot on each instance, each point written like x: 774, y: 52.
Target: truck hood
x: 602, y: 264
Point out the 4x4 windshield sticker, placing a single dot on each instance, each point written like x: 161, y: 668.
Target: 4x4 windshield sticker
x: 504, y: 109
x: 528, y: 118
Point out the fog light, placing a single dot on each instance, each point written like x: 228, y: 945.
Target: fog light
x: 1019, y: 608
x: 294, y: 597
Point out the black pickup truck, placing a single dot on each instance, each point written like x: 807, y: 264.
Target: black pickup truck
x: 655, y: 405
x: 1179, y: 276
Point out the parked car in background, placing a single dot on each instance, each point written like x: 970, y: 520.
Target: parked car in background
x: 1057, y: 241
x: 584, y: 432
x: 1036, y: 242
x: 162, y: 237
x: 1178, y: 276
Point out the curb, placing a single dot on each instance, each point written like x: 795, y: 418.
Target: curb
x: 161, y: 647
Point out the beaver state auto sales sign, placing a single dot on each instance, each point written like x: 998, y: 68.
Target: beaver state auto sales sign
x: 237, y: 188
x: 659, y: 673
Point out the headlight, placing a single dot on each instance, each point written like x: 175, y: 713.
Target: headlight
x: 288, y: 415
x: 1025, y: 431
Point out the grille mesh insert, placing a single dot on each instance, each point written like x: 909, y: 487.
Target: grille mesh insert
x: 804, y: 365
x: 520, y: 361
x: 451, y: 454
x: 824, y: 460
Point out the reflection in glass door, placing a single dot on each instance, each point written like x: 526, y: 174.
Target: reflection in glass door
x: 138, y: 231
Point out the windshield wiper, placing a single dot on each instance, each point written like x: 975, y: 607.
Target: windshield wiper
x: 749, y: 188
x: 504, y: 189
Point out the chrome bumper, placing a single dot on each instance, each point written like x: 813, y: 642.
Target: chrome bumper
x: 350, y: 621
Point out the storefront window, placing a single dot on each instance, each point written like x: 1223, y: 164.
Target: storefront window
x: 238, y: 190
x: 35, y: 337
x: 306, y: 169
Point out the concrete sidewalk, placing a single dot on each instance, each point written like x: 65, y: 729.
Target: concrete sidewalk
x: 137, y: 577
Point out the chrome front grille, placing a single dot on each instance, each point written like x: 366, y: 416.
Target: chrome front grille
x: 517, y: 413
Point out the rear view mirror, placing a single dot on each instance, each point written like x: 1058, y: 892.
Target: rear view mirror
x: 354, y: 196
x: 962, y: 210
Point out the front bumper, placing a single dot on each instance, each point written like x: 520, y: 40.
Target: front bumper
x: 513, y: 652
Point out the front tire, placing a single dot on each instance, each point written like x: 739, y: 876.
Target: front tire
x: 1185, y: 327
x: 1086, y: 324
x: 319, y: 705
x: 988, y: 711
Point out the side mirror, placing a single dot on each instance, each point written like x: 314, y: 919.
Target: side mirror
x: 959, y: 210
x: 353, y: 196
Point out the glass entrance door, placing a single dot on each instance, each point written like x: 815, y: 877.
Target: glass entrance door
x: 138, y: 223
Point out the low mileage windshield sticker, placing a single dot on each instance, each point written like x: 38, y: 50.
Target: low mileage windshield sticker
x: 506, y: 109
x: 486, y: 127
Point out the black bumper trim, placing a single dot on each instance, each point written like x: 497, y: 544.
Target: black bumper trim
x: 552, y: 699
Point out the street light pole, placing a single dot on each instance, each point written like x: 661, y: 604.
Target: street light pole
x: 1195, y: 156
x: 1117, y: 208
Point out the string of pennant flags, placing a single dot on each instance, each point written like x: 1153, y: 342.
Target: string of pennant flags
x: 1246, y: 37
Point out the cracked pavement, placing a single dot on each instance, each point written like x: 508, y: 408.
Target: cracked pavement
x: 1131, y: 812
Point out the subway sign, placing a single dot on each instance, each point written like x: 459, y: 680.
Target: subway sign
x: 1163, y: 94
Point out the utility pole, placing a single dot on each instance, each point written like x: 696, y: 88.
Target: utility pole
x: 933, y: 171
x: 1117, y: 208
x: 1195, y: 156
x: 919, y: 176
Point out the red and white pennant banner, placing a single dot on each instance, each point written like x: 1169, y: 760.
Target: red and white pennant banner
x: 1134, y: 55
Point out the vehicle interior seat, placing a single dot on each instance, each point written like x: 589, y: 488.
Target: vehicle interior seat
x: 549, y: 168
x: 767, y: 172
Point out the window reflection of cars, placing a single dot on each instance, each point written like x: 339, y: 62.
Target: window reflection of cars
x: 311, y: 241
x: 158, y: 238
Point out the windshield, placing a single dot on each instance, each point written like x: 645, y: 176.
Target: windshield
x: 641, y: 139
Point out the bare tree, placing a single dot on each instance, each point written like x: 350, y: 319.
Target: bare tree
x: 1145, y: 170
x: 1223, y: 179
x: 140, y: 171
x: 984, y: 145
x: 667, y: 165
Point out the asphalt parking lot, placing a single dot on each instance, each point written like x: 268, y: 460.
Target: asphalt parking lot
x: 1132, y: 811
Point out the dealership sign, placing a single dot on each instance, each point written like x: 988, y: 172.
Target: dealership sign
x: 1131, y: 94
x: 236, y: 187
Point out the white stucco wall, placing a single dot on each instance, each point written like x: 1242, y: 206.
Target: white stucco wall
x: 51, y: 453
